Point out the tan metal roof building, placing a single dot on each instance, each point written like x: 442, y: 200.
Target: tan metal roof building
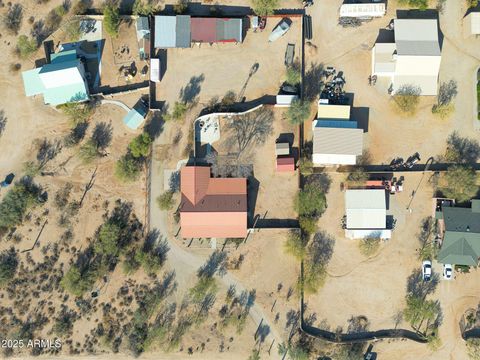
x: 329, y: 111
x: 336, y: 146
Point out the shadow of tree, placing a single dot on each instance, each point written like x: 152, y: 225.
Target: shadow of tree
x: 420, y: 288
x: 312, y: 81
x: 3, y: 122
x: 190, y: 92
x: 102, y: 135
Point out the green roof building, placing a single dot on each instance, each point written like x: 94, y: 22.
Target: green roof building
x: 461, y: 241
x: 61, y: 81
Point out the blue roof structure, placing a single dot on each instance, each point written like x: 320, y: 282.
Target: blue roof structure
x: 343, y: 124
x: 61, y: 81
x: 135, y: 117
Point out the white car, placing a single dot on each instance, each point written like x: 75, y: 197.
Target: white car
x: 427, y: 270
x: 280, y: 30
x: 447, y: 271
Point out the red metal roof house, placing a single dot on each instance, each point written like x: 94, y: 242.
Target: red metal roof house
x: 212, y: 207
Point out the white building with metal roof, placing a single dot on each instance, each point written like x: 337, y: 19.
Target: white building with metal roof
x: 366, y: 212
x: 413, y: 59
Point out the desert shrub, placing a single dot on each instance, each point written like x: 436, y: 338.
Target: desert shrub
x: 16, y: 202
x: 143, y: 8
x: 25, y: 46
x: 406, y: 99
x: 357, y: 177
x: 140, y: 146
x: 88, y: 152
x: 460, y: 183
x: 73, y: 31
x: 306, y: 166
x: 77, y: 112
x: 462, y: 149
x: 111, y: 19
x: 76, y: 282
x: 298, y: 112
x: 295, y: 245
x: 63, y: 324
x: 8, y: 265
x: 417, y: 4
x: 127, y: 168
x: 369, y: 246
x: 53, y: 19
x: 180, y: 7
x: 13, y: 18
x: 308, y: 224
x: 204, y: 286
x: 130, y: 263
x: 446, y: 93
x: 178, y: 113
x: 294, y: 76
x: 81, y: 7
x: 472, y: 3
x: 473, y: 348
x: 264, y: 7
x: 15, y: 67
x: 165, y: 201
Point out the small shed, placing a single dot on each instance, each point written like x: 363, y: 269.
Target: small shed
x: 135, y: 117
x: 285, y: 164
x: 282, y: 149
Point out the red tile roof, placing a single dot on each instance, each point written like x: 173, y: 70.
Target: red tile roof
x: 212, y: 207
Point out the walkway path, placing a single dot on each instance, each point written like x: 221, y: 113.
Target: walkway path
x: 117, y: 103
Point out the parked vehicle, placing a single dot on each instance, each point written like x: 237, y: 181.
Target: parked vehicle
x: 8, y: 180
x: 447, y: 271
x: 258, y: 23
x: 427, y: 270
x: 280, y: 30
x: 412, y: 160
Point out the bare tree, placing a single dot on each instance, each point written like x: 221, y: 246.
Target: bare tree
x: 250, y: 129
x: 3, y: 122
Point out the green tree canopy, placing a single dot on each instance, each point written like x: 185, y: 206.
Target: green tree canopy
x: 295, y: 245
x: 140, y: 146
x: 107, y: 242
x: 264, y: 7
x: 26, y: 46
x: 111, y: 19
x: 460, y: 183
x: 165, y: 200
x: 310, y: 201
x: 8, y: 265
x: 16, y: 202
x: 127, y: 168
x: 298, y: 112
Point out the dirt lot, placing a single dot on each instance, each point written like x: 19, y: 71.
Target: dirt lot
x: 375, y: 287
x: 390, y: 134
x: 212, y: 70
